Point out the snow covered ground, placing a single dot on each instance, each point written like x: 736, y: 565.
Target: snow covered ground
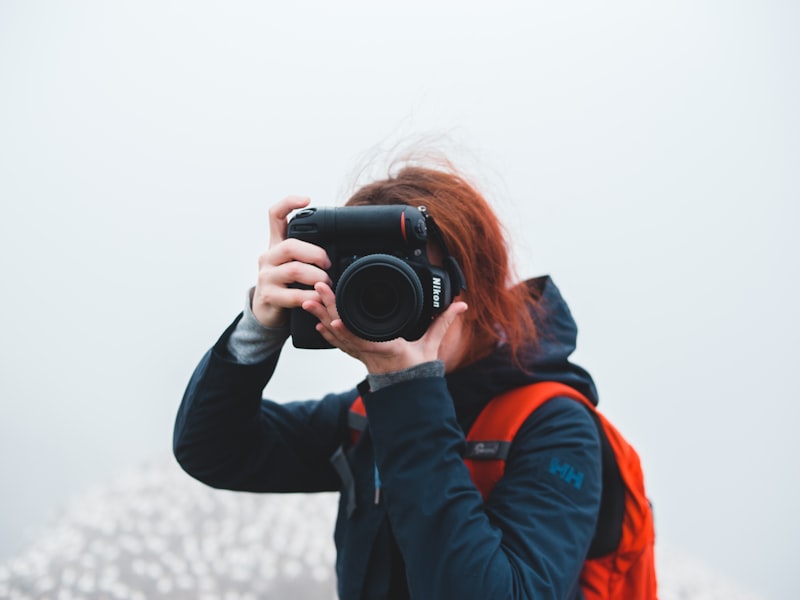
x: 156, y: 533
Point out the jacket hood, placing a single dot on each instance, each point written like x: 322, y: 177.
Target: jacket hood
x: 545, y: 359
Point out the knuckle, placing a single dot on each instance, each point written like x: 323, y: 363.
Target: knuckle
x: 298, y: 297
x: 294, y: 270
x: 283, y: 251
x: 294, y: 245
x: 276, y: 296
x: 273, y: 255
x: 264, y: 259
x: 265, y: 271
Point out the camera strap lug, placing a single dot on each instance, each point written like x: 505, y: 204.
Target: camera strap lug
x: 457, y: 279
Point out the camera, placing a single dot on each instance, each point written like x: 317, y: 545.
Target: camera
x: 385, y: 286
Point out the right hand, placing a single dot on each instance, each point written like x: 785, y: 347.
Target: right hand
x: 287, y: 261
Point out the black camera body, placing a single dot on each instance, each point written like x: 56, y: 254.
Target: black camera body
x: 385, y: 286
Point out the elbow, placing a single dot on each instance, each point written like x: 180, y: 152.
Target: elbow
x: 186, y: 457
x: 197, y: 468
x: 193, y: 460
x: 206, y: 462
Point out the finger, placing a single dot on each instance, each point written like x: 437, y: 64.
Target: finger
x: 293, y: 272
x: 332, y: 338
x: 278, y: 213
x: 345, y: 339
x: 334, y: 332
x: 315, y: 307
x: 294, y: 249
x: 284, y: 297
x: 442, y: 323
x: 332, y: 325
x: 328, y: 299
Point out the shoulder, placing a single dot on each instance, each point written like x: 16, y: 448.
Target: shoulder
x: 563, y: 419
x: 552, y: 482
x: 558, y: 446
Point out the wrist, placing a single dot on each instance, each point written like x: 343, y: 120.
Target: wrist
x: 434, y: 368
x: 378, y: 364
x: 251, y: 341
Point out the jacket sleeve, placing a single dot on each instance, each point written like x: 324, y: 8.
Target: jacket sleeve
x: 227, y: 436
x: 530, y: 538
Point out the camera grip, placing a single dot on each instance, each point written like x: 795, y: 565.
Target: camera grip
x: 302, y: 326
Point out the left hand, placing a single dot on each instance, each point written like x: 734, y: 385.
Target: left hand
x: 380, y: 357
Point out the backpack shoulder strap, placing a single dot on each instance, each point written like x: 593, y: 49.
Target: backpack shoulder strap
x: 357, y: 419
x: 490, y: 437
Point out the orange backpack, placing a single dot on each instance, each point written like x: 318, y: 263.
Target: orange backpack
x: 621, y: 562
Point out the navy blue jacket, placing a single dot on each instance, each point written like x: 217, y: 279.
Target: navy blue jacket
x: 430, y: 536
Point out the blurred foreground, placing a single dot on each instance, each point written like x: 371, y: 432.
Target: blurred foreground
x: 155, y: 532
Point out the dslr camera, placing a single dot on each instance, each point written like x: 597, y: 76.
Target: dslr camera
x: 385, y: 286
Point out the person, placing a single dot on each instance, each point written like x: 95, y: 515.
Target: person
x: 411, y: 524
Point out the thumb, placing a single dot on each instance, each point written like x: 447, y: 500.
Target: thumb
x: 442, y: 323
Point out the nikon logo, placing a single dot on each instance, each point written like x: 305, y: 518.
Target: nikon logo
x: 437, y: 292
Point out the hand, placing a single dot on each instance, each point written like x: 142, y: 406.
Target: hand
x: 287, y: 261
x: 380, y: 357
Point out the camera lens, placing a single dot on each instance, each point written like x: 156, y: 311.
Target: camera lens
x: 379, y: 297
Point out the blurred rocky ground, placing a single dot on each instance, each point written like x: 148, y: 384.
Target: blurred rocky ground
x: 154, y: 532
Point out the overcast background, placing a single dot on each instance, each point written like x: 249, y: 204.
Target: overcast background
x: 645, y: 156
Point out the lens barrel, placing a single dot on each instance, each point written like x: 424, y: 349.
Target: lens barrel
x: 379, y: 297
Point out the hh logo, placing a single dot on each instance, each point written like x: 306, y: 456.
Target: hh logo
x: 567, y: 473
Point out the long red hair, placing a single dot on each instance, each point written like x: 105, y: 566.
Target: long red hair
x: 499, y: 308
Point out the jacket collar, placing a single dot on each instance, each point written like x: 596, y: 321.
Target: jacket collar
x: 544, y: 359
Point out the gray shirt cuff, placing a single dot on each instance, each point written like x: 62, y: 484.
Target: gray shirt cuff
x: 434, y: 368
x: 251, y: 342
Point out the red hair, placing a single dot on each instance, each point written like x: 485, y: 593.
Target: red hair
x: 499, y: 308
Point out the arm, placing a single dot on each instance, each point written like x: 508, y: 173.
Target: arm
x: 227, y: 436
x: 531, y: 537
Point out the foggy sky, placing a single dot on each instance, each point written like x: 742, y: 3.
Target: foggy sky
x: 645, y: 157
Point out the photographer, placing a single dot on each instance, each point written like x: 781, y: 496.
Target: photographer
x: 411, y: 523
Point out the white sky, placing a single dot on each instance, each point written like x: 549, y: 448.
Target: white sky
x: 645, y: 156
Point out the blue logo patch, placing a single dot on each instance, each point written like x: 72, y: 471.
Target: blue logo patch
x: 567, y: 473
